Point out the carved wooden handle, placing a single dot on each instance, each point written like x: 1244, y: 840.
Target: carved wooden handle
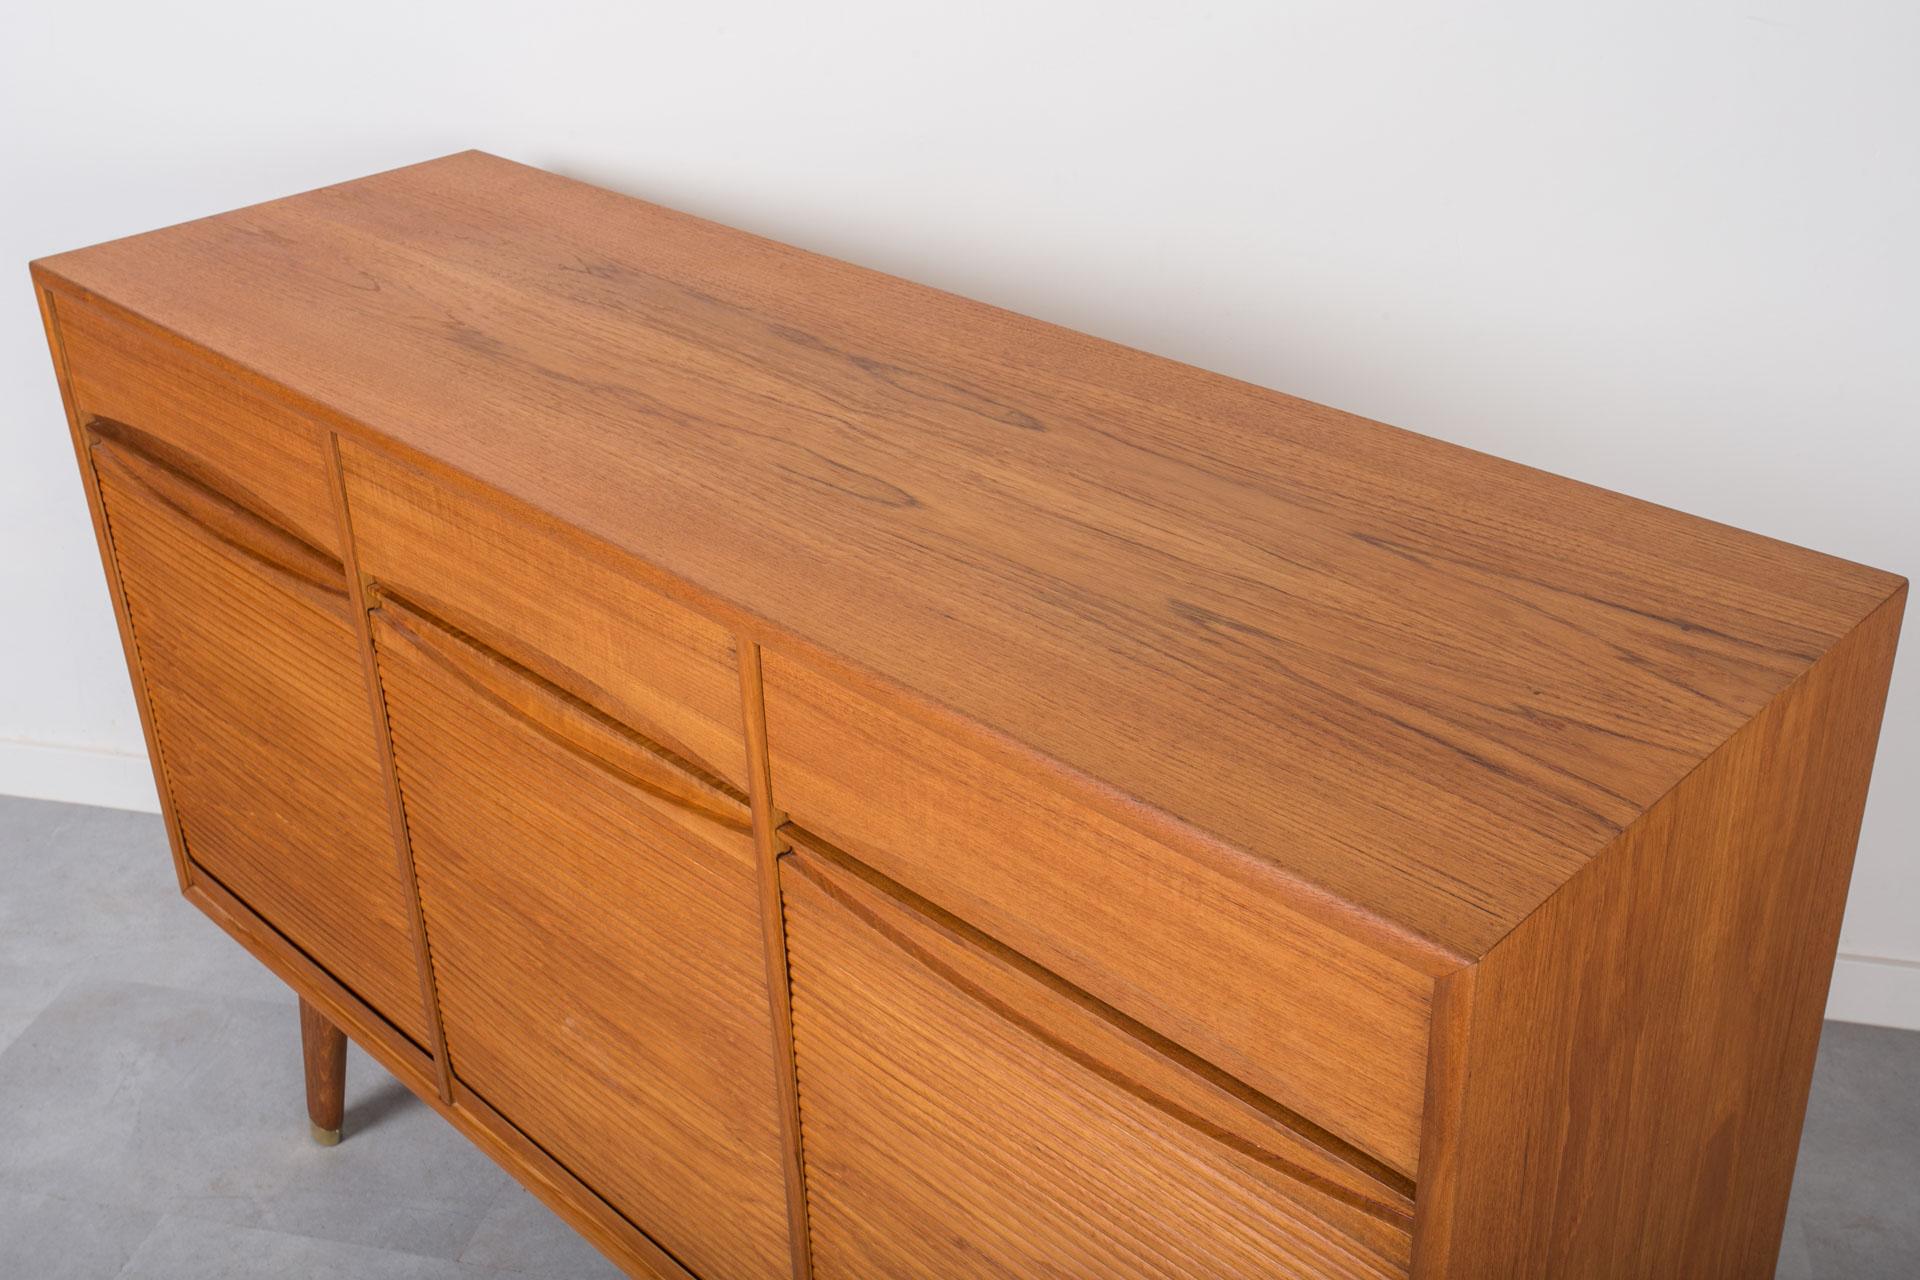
x: 1080, y: 1029
x: 559, y: 716
x: 217, y: 520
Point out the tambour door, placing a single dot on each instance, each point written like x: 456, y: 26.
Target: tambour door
x: 1209, y: 951
x: 593, y: 917
x: 258, y: 694
x: 964, y: 1113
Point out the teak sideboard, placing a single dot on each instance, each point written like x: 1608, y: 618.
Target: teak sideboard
x: 818, y: 776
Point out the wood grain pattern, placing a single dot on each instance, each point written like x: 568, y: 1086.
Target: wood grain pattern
x: 402, y: 1057
x: 357, y: 592
x: 565, y: 1194
x: 89, y: 482
x: 631, y: 1249
x: 260, y: 712
x: 566, y: 721
x: 596, y: 943
x: 1235, y: 838
x: 1310, y: 1016
x: 768, y: 843
x: 535, y: 594
x: 203, y: 422
x: 1639, y: 1051
x: 1471, y: 676
x: 965, y: 1116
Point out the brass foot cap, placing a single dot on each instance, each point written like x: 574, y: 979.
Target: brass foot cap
x: 325, y: 1137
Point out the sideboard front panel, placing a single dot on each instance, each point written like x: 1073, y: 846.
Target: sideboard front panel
x: 202, y: 420
x: 593, y: 918
x: 1200, y: 951
x: 545, y: 600
x: 965, y: 1115
x: 259, y: 700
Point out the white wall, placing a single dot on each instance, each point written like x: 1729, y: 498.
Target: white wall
x: 1668, y: 247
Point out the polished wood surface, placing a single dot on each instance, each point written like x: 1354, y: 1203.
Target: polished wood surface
x: 537, y: 1171
x: 260, y: 711
x: 967, y: 1116
x: 768, y: 843
x: 1328, y: 1025
x: 1472, y: 675
x: 323, y: 1050
x: 78, y: 433
x: 358, y: 591
x: 819, y: 777
x: 537, y: 595
x: 269, y: 460
x: 1641, y: 1048
x: 596, y: 935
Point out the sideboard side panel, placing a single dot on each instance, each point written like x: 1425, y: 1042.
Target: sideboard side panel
x: 1637, y: 1054
x: 50, y: 317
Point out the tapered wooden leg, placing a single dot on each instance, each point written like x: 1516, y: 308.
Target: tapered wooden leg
x: 325, y: 1048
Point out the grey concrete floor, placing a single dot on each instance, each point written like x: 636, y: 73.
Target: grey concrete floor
x: 152, y: 1122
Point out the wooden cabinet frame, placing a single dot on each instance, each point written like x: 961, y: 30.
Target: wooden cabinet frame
x: 1542, y: 802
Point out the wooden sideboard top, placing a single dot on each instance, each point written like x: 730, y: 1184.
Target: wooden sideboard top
x: 1426, y: 684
